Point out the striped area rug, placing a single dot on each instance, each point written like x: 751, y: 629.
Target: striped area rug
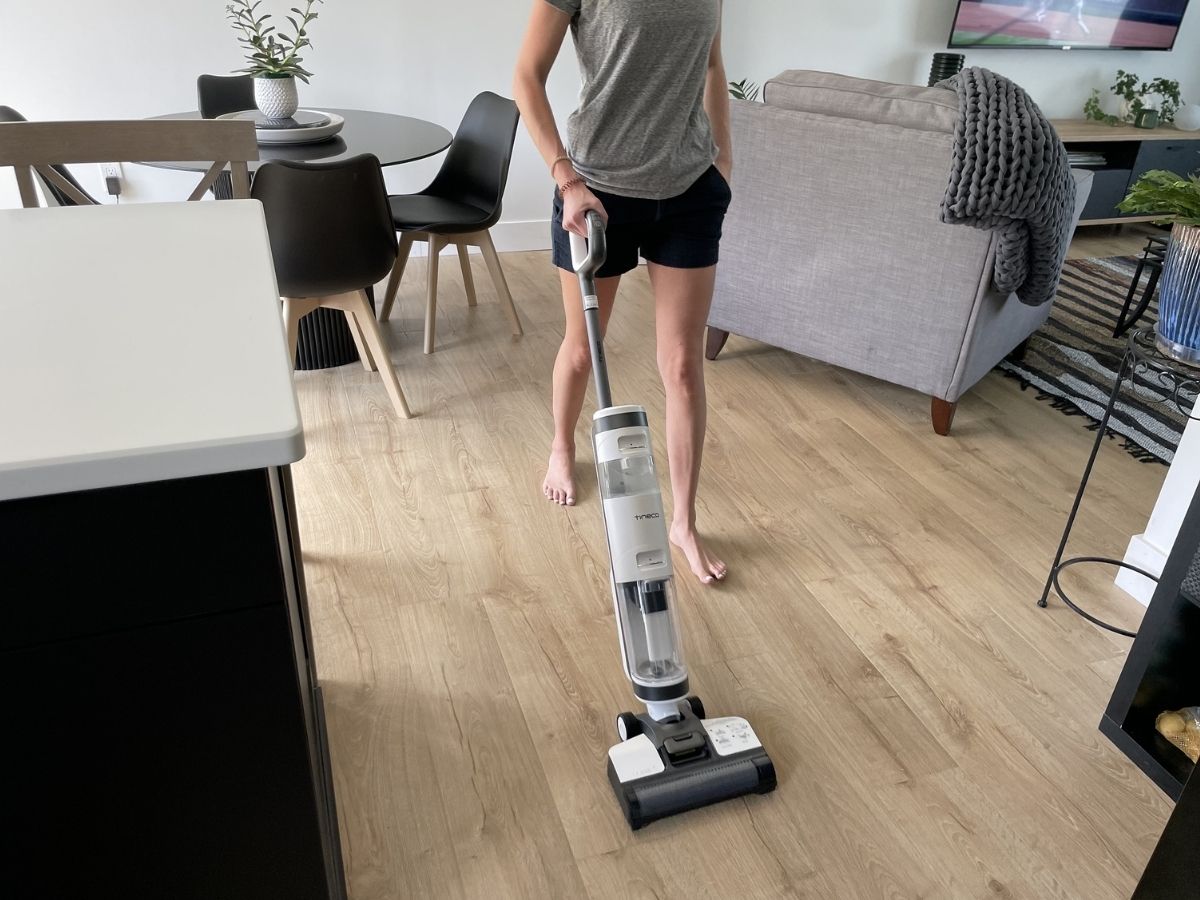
x: 1072, y: 360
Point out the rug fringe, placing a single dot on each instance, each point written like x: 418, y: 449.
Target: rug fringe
x: 1066, y: 407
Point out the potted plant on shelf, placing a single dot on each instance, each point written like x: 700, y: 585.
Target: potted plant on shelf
x: 273, y: 56
x: 1176, y: 199
x: 1145, y: 104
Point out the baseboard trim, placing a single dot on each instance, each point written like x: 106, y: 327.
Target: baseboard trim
x: 1144, y: 555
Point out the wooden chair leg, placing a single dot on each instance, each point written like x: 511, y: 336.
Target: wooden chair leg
x: 364, y: 353
x: 464, y: 260
x: 356, y: 304
x: 25, y: 186
x: 293, y: 311
x: 943, y: 415
x: 714, y: 342
x: 393, y: 285
x: 493, y: 264
x: 435, y: 248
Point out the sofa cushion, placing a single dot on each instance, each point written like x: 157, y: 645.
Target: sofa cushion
x: 906, y: 105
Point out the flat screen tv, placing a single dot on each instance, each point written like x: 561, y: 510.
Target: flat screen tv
x: 1068, y: 24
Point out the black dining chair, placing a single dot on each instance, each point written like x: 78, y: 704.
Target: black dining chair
x: 54, y: 195
x: 459, y: 207
x: 217, y: 95
x: 331, y: 237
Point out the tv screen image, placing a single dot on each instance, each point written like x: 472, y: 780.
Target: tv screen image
x: 1068, y: 24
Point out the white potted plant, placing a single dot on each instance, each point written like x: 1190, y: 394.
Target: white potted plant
x: 1177, y: 199
x: 273, y: 56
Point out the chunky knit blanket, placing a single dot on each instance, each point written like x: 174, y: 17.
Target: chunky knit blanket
x: 1010, y: 174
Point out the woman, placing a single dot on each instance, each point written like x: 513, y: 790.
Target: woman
x: 650, y: 151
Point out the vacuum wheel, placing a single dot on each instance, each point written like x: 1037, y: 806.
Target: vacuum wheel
x: 697, y: 706
x: 628, y: 726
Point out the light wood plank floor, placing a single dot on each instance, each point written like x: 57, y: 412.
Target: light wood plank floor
x: 934, y: 732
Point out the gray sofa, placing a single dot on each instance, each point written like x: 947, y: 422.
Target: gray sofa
x: 833, y: 247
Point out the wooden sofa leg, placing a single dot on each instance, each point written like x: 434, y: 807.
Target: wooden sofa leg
x: 943, y: 415
x: 716, y: 340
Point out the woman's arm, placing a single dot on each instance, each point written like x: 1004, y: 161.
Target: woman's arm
x: 716, y: 104
x: 543, y: 39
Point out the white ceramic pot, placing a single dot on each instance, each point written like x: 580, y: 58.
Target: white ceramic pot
x: 276, y: 98
x: 1187, y: 117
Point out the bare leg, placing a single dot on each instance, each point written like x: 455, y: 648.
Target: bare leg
x: 572, y: 367
x: 682, y: 298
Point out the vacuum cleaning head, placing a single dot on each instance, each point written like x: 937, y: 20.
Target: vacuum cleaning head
x: 664, y: 768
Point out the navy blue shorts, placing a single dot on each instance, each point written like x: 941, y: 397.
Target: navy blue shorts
x: 682, y: 232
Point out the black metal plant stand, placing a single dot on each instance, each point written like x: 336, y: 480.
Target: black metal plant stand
x: 1153, y: 257
x: 1179, y: 385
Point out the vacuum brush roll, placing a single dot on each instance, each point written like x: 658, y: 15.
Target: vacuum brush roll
x: 680, y: 790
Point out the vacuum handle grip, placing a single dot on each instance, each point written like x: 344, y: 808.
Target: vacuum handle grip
x: 588, y: 254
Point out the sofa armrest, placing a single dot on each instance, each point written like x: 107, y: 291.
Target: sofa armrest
x: 1083, y: 189
x: 1000, y: 322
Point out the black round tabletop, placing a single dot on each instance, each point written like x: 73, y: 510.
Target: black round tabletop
x: 394, y: 139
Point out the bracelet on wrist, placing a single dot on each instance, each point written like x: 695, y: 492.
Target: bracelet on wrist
x: 557, y: 160
x: 567, y: 185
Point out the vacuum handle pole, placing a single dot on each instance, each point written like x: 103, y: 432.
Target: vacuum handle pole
x: 587, y: 256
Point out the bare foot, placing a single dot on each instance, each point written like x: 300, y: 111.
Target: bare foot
x: 559, y: 485
x: 704, y: 565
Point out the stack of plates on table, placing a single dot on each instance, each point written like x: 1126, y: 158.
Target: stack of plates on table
x: 307, y: 126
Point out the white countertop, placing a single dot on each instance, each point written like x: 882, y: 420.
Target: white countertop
x: 138, y: 343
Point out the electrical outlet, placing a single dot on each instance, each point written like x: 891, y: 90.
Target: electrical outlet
x: 111, y: 173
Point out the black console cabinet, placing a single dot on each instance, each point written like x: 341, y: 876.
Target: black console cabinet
x: 163, y: 735
x: 1129, y: 153
x: 1160, y: 673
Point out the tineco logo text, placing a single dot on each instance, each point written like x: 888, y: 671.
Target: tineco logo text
x: 648, y: 516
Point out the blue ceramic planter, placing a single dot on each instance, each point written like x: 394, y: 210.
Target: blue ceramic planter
x: 1179, y: 296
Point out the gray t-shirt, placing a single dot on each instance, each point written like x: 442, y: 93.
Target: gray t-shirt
x: 641, y: 129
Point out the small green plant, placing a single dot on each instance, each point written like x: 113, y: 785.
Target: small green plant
x: 1095, y: 112
x: 1173, y: 197
x: 743, y: 90
x: 269, y: 52
x: 1167, y: 90
x: 1125, y: 87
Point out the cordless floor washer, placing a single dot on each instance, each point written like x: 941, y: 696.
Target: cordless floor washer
x: 670, y: 758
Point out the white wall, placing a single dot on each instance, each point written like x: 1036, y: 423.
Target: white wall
x: 894, y: 40
x: 63, y: 59
x: 71, y: 59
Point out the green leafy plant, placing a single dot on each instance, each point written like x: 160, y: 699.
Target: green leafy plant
x: 1137, y: 93
x: 1095, y: 112
x: 1125, y: 87
x: 743, y: 90
x: 269, y: 52
x: 1167, y: 90
x: 1173, y: 197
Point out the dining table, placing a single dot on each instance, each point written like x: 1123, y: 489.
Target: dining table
x: 325, y: 340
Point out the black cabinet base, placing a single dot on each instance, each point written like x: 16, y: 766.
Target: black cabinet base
x: 162, y: 735
x: 160, y: 762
